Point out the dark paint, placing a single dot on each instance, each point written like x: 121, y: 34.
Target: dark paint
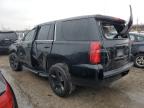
x: 39, y: 55
x: 10, y: 38
x: 137, y: 46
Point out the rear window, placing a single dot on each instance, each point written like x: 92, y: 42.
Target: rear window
x: 79, y: 30
x: 112, y: 30
x: 8, y: 35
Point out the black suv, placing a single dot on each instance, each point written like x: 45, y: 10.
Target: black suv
x: 6, y: 39
x: 75, y: 51
x: 137, y: 49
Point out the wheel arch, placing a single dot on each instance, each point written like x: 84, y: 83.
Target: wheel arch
x: 141, y: 52
x: 53, y: 59
x: 12, y: 51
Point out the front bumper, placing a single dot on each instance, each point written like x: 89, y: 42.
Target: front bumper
x: 4, y: 48
x: 90, y: 75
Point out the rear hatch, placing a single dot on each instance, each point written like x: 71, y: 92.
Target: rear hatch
x: 116, y: 48
x: 7, y: 38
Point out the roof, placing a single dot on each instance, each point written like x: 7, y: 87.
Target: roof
x: 99, y: 17
x: 7, y: 32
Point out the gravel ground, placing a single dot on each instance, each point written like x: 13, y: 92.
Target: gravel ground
x: 33, y: 91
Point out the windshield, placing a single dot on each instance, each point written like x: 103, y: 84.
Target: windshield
x: 112, y: 30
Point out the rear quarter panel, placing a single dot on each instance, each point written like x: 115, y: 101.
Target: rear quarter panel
x: 76, y: 52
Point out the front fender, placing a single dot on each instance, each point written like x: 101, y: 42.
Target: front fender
x: 12, y: 48
x: 141, y: 49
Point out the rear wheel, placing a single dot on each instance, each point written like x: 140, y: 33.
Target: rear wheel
x: 14, y: 63
x: 139, y: 61
x: 60, y: 80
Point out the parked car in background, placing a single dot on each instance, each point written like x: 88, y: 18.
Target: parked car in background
x: 7, y: 97
x: 137, y: 49
x: 6, y: 39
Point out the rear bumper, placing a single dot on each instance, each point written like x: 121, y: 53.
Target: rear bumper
x: 117, y: 71
x: 90, y: 75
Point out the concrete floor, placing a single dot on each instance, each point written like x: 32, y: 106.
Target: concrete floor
x: 33, y: 91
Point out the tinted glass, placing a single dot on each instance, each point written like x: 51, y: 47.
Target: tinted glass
x: 132, y: 37
x: 51, y: 32
x: 140, y: 38
x: 8, y: 35
x: 43, y: 32
x: 29, y: 36
x: 81, y: 29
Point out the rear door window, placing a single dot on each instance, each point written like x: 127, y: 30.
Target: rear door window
x: 46, y: 32
x: 80, y: 29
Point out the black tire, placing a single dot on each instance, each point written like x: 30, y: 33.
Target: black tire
x: 60, y: 80
x: 139, y: 61
x: 14, y: 62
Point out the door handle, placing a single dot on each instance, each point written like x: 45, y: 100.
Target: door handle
x: 46, y: 47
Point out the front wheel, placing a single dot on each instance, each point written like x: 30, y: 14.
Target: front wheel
x: 14, y: 63
x: 60, y: 80
x: 139, y: 61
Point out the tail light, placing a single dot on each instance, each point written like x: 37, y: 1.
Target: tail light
x: 95, y: 52
x: 6, y: 99
x: 6, y: 96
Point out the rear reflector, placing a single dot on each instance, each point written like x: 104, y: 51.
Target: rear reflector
x: 95, y: 52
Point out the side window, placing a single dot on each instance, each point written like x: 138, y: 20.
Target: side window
x: 79, y: 29
x: 140, y: 38
x: 132, y: 37
x: 46, y: 32
x: 51, y: 33
x: 29, y: 36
